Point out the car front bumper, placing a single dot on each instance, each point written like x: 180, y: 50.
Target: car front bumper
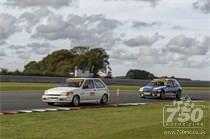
x: 149, y: 94
x: 57, y: 99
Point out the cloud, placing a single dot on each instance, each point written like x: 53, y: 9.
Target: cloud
x: 40, y: 48
x: 2, y: 42
x: 8, y: 26
x: 124, y: 54
x: 31, y: 49
x: 23, y: 54
x: 177, y: 27
x: 20, y: 51
x: 94, y: 30
x: 179, y: 52
x: 194, y: 62
x: 17, y: 47
x: 139, y: 24
x: 152, y: 2
x: 39, y: 3
x: 2, y: 53
x: 143, y: 40
x: 202, y: 5
x: 144, y: 56
x: 151, y: 57
x: 189, y: 46
x: 32, y: 18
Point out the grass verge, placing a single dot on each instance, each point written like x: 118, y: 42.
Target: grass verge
x: 134, y: 122
x: 11, y: 86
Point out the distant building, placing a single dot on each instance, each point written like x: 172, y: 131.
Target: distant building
x: 82, y: 73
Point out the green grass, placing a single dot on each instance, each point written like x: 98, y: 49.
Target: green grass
x: 134, y: 122
x: 11, y: 86
x: 196, y: 89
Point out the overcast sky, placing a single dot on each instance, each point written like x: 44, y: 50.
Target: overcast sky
x: 165, y: 37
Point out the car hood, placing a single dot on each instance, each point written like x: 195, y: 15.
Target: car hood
x: 60, y: 90
x: 150, y: 88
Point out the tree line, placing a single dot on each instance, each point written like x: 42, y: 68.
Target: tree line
x: 63, y: 62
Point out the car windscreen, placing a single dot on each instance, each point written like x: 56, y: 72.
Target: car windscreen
x: 159, y: 83
x: 75, y: 83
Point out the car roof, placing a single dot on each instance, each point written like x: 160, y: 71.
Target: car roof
x: 162, y: 79
x: 69, y: 79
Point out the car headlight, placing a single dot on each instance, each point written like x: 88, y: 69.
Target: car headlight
x: 45, y: 92
x: 141, y: 89
x: 69, y: 93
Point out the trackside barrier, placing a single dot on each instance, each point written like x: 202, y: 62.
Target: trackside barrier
x: 46, y: 79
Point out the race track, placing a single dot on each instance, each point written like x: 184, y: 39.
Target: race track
x: 17, y: 100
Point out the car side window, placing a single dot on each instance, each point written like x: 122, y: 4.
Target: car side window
x: 170, y: 83
x: 99, y: 84
x: 176, y: 83
x: 89, y: 84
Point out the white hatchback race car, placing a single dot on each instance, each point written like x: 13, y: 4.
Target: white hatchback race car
x: 78, y: 90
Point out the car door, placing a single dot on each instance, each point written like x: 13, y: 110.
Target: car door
x: 176, y: 86
x: 169, y: 87
x: 172, y: 87
x: 100, y: 89
x: 88, y: 90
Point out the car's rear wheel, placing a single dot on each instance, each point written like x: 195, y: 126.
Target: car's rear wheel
x: 50, y: 103
x: 178, y: 95
x: 104, y: 99
x: 162, y: 95
x: 75, y: 101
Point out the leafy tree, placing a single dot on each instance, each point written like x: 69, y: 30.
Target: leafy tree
x: 17, y: 72
x: 32, y: 68
x: 139, y: 74
x: 62, y: 62
x: 4, y: 71
x: 54, y: 63
x: 97, y: 59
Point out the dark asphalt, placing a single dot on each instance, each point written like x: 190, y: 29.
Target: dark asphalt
x: 16, y: 100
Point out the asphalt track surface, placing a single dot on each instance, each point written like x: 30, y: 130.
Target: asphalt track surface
x: 26, y: 100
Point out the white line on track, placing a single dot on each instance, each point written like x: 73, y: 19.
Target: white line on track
x: 24, y: 111
x: 51, y: 109
x: 38, y: 110
x: 64, y: 109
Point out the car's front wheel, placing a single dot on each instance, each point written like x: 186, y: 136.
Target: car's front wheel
x: 141, y: 95
x: 178, y: 95
x: 104, y: 99
x: 75, y: 101
x: 162, y: 95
